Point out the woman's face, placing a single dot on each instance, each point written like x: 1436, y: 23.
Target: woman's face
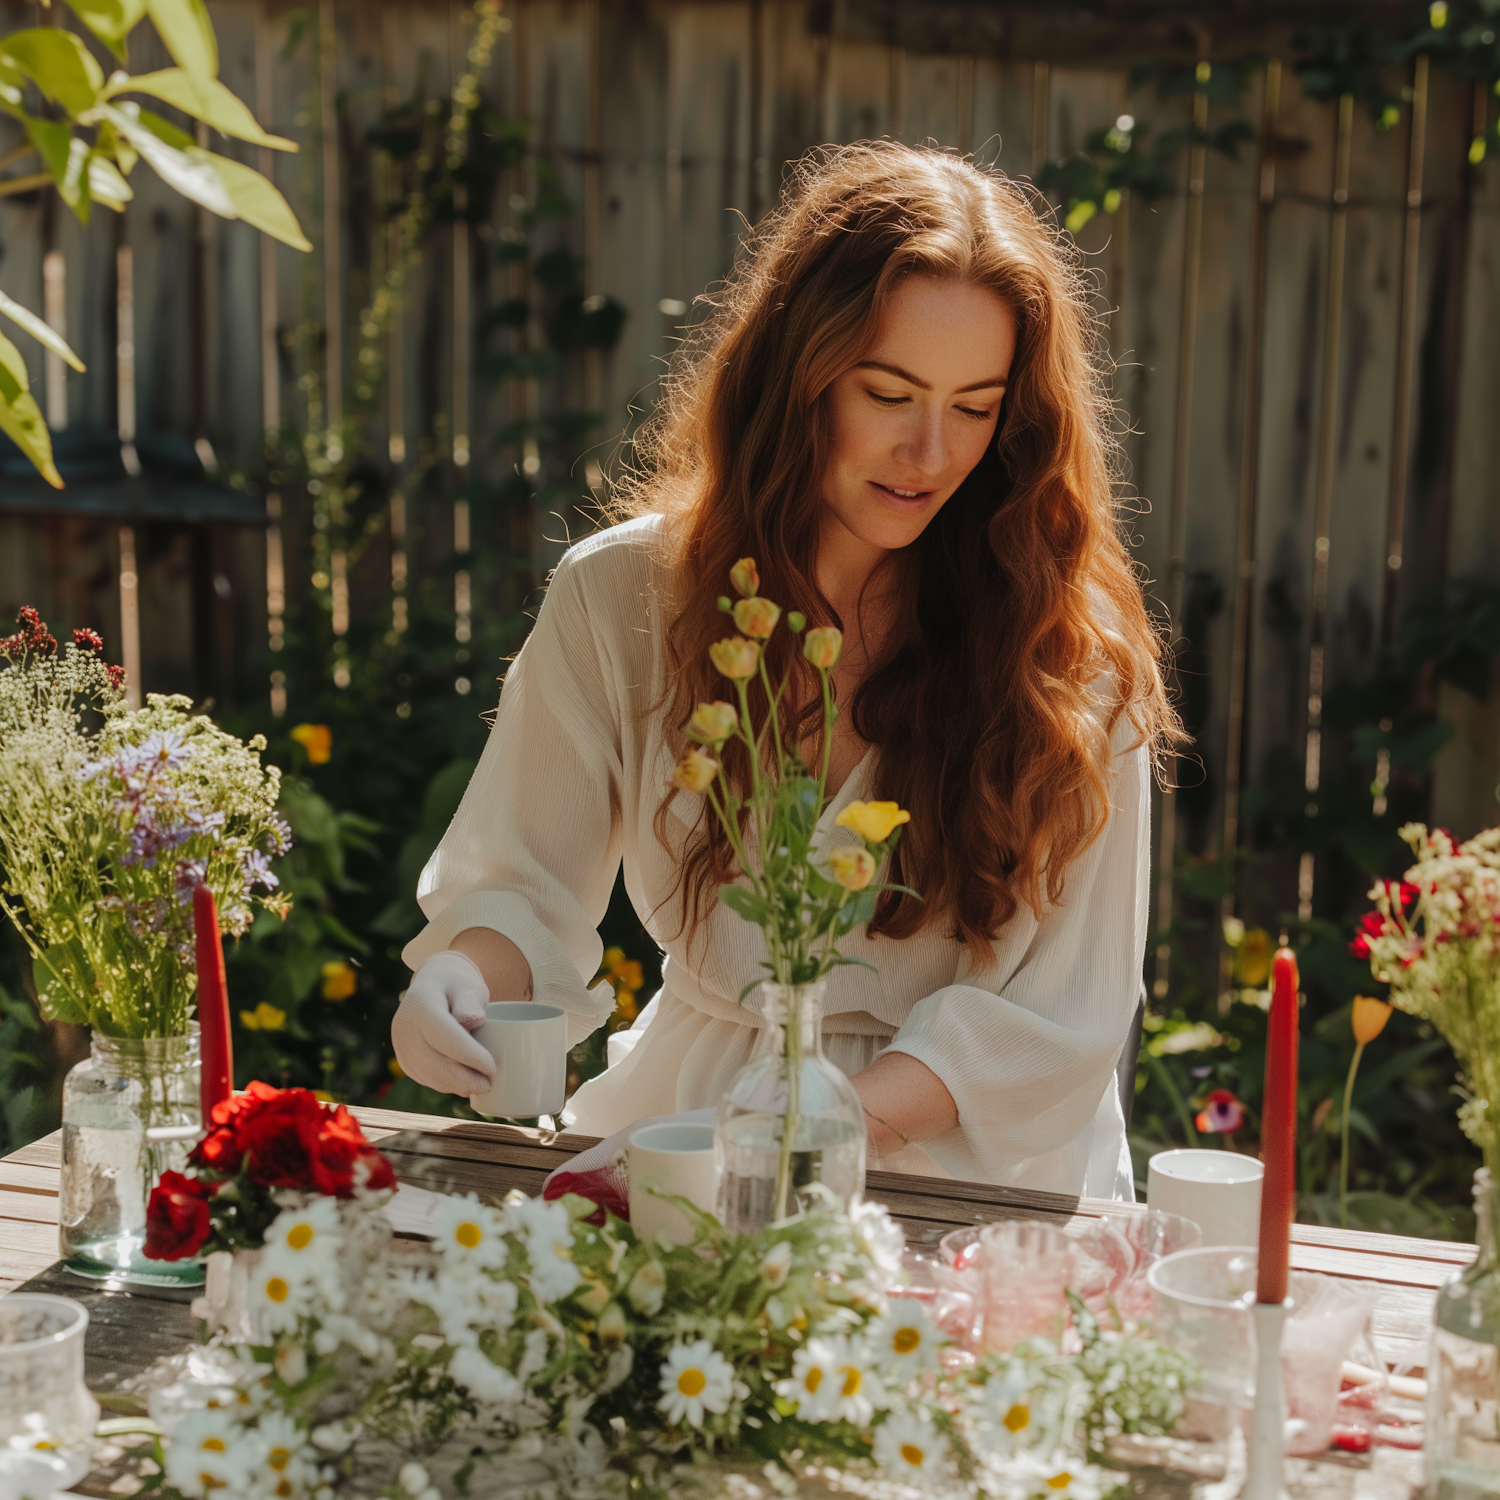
x: 915, y: 415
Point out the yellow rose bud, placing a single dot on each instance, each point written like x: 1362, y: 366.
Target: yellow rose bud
x: 853, y: 868
x: 713, y: 722
x: 823, y: 646
x: 317, y: 740
x: 1369, y: 1018
x: 694, y: 771
x: 735, y: 656
x: 874, y: 822
x: 745, y: 577
x: 756, y: 617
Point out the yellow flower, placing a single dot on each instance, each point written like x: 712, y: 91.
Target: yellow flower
x: 265, y: 1017
x: 756, y: 617
x: 695, y: 771
x: 853, y: 868
x: 339, y: 980
x: 1252, y: 958
x: 1369, y: 1018
x: 397, y: 1071
x: 745, y: 577
x: 874, y: 822
x: 713, y: 722
x: 317, y: 740
x: 629, y: 974
x: 823, y: 646
x: 625, y: 1006
x: 735, y: 657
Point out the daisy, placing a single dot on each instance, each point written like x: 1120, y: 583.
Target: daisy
x: 305, y: 1245
x: 483, y: 1378
x: 281, y: 1465
x: 695, y: 1378
x: 206, y: 1452
x: 879, y: 1239
x: 1056, y: 1478
x: 814, y: 1374
x: 469, y: 1233
x: 548, y: 1233
x: 855, y: 1390
x: 908, y: 1445
x: 463, y: 1306
x: 905, y: 1340
x: 1014, y: 1409
x: 277, y: 1300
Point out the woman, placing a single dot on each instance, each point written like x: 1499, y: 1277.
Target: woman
x: 894, y: 408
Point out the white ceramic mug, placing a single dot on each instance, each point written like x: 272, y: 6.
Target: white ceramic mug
x: 676, y: 1160
x: 529, y: 1043
x: 1218, y: 1190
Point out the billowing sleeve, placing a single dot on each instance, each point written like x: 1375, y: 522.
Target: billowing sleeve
x: 1028, y: 1047
x: 533, y: 849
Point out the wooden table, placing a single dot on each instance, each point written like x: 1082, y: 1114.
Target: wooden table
x: 128, y: 1331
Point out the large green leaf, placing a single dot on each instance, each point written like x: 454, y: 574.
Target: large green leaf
x: 110, y: 20
x: 256, y: 200
x: 59, y: 64
x: 214, y: 104
x: 52, y: 139
x: 192, y: 176
x: 189, y: 35
x: 20, y: 417
x: 39, y: 330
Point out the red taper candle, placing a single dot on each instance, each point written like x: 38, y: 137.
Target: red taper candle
x: 1278, y: 1133
x: 215, y: 1047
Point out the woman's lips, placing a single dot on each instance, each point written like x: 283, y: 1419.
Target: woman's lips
x: 907, y: 500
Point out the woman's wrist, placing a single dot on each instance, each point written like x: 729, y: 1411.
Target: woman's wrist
x: 903, y: 1101
x: 883, y: 1138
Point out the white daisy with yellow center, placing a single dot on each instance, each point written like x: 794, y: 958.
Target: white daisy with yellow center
x: 1056, y: 1477
x: 305, y: 1245
x: 906, y: 1340
x: 470, y: 1234
x: 1010, y: 1404
x: 695, y: 1379
x: 880, y: 1240
x: 207, y: 1452
x: 810, y: 1387
x: 908, y: 1445
x: 277, y: 1298
x: 283, y: 1465
x: 548, y: 1233
x: 857, y: 1388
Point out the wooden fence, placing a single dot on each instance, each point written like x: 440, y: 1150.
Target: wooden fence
x: 1306, y: 365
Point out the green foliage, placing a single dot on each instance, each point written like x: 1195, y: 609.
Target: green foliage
x: 21, y: 1045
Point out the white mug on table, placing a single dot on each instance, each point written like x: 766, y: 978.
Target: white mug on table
x: 670, y: 1160
x: 529, y: 1043
x: 1219, y: 1191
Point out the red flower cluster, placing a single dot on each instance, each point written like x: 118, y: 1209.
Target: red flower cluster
x: 269, y: 1138
x: 1374, y: 924
x: 32, y: 636
x: 88, y: 640
x: 288, y: 1138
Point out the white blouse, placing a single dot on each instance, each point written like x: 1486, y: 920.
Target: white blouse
x: 569, y: 784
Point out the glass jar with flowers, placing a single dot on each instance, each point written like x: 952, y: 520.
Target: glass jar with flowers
x: 1434, y: 938
x: 790, y: 1120
x: 110, y: 817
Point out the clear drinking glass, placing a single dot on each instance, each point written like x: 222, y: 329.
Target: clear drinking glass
x: 1027, y: 1266
x: 47, y: 1416
x: 1463, y: 1369
x: 787, y: 1096
x: 130, y: 1113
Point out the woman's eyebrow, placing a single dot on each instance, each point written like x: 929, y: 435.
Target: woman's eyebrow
x: 999, y: 384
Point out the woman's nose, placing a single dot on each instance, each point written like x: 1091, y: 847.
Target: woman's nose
x: 924, y: 446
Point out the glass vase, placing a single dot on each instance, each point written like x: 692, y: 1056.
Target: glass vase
x: 790, y: 1121
x: 1463, y: 1369
x: 130, y: 1112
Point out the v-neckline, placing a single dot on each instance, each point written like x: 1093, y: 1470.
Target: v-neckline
x: 852, y: 781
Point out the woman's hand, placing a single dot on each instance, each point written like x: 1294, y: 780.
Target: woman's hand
x: 443, y: 1004
x: 904, y: 1101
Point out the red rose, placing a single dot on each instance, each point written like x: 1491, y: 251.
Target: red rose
x: 341, y: 1158
x: 177, y: 1218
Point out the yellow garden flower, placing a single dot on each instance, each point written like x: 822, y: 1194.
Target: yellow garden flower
x: 734, y: 656
x: 713, y: 722
x: 756, y: 617
x: 317, y: 740
x: 853, y: 868
x: 695, y: 771
x: 745, y: 577
x: 874, y: 822
x: 1369, y: 1018
x: 265, y: 1017
x: 339, y: 980
x: 823, y: 647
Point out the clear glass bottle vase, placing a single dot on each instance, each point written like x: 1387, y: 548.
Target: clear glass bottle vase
x: 1462, y: 1447
x: 789, y: 1120
x: 130, y: 1112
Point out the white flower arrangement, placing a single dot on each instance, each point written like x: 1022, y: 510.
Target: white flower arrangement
x: 528, y: 1352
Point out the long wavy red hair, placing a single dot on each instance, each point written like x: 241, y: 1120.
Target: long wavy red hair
x: 1020, y: 636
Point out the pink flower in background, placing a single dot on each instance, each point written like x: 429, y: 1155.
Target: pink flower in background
x: 1222, y: 1114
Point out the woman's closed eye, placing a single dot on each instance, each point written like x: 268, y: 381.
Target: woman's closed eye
x: 979, y: 415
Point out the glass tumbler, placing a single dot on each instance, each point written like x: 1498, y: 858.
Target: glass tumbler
x: 1027, y: 1268
x: 47, y: 1416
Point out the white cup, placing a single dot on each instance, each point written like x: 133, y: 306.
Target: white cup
x: 676, y: 1160
x: 530, y: 1046
x: 1218, y: 1190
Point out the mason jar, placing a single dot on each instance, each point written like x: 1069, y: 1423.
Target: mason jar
x: 130, y: 1112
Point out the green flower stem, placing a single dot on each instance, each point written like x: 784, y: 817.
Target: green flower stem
x: 792, y: 1029
x: 1164, y: 1078
x: 1359, y: 1052
x: 772, y: 716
